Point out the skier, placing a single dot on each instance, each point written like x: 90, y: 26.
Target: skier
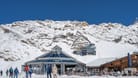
x: 54, y: 71
x: 30, y: 71
x: 16, y: 72
x: 49, y: 71
x: 11, y: 72
x: 26, y: 69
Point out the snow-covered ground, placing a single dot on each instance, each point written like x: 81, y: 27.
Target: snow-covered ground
x: 65, y: 76
x: 73, y: 76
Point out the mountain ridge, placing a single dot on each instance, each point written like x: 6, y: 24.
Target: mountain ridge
x: 24, y: 39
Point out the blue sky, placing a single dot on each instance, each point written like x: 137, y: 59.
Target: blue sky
x: 92, y: 11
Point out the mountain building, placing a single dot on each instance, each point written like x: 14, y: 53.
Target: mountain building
x: 56, y: 56
x: 89, y: 49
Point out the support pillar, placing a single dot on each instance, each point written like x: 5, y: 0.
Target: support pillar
x: 62, y: 69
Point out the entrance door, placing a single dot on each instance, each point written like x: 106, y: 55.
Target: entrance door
x: 58, y: 68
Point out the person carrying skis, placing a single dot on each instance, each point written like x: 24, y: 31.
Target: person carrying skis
x: 16, y: 72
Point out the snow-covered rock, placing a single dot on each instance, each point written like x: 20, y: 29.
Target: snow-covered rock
x: 25, y: 40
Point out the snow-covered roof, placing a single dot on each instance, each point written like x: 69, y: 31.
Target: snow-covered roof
x: 98, y: 62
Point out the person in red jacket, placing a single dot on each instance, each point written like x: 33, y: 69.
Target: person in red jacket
x: 26, y: 69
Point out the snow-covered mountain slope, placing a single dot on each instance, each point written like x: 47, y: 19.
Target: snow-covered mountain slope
x: 25, y: 40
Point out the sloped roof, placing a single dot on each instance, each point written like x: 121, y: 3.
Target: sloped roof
x: 100, y: 61
x: 58, y: 61
x: 55, y: 57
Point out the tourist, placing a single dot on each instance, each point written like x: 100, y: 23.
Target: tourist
x: 54, y: 71
x: 7, y: 72
x: 16, y: 72
x: 26, y: 69
x: 49, y: 71
x: 11, y: 72
x: 1, y: 72
x: 30, y: 71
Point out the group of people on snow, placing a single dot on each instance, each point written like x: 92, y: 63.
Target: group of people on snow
x: 11, y: 73
x: 51, y: 70
x: 28, y: 71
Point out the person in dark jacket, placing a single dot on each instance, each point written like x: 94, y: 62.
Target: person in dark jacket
x: 49, y: 71
x: 16, y: 72
x: 11, y: 72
